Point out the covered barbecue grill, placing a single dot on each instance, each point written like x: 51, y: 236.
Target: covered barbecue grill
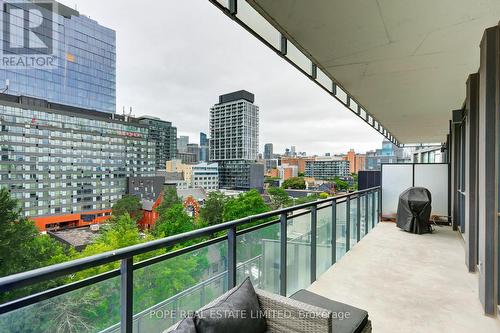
x: 414, y: 210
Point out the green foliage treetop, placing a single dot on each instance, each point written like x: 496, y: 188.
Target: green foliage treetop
x: 296, y: 183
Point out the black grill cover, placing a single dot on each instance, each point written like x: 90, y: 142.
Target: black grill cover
x: 414, y: 210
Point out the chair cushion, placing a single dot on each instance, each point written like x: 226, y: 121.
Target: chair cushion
x: 345, y: 318
x: 238, y: 312
x: 185, y: 326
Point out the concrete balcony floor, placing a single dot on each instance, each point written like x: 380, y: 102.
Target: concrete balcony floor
x: 409, y: 283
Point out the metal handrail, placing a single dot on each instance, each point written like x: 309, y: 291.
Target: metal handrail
x: 127, y: 254
x: 49, y: 272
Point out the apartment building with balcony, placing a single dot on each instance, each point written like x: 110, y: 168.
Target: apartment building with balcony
x: 234, y: 141
x: 67, y: 165
x: 300, y: 162
x: 327, y: 168
x: 164, y: 136
x: 356, y: 161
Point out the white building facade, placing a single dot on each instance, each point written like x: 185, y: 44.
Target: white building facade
x: 205, y: 175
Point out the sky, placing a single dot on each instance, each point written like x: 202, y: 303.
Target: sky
x: 174, y: 58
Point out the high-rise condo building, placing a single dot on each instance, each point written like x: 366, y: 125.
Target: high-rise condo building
x: 268, y: 151
x: 67, y: 166
x: 164, y: 136
x: 79, y: 56
x: 194, y: 148
x: 356, y: 161
x: 388, y: 154
x: 204, y: 147
x: 234, y: 140
x: 182, y: 144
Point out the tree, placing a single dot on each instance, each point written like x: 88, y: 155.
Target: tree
x: 23, y: 248
x: 279, y: 198
x: 246, y: 204
x: 123, y: 232
x: 213, y: 211
x: 307, y: 198
x: 340, y: 184
x: 323, y: 195
x: 302, y: 174
x: 297, y: 183
x: 172, y: 221
x: 129, y: 204
x: 170, y: 198
x: 354, y: 186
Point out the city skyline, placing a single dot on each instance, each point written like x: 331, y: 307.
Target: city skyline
x: 186, y: 83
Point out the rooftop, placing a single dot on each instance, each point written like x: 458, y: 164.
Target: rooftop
x: 78, y: 238
x: 237, y: 95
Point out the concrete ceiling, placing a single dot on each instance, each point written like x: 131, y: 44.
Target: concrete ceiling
x: 405, y: 61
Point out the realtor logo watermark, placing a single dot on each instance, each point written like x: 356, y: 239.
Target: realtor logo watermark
x: 28, y: 35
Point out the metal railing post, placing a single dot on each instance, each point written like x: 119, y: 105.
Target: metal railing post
x: 334, y: 231
x: 358, y: 218
x: 374, y: 216
x: 126, y: 295
x: 203, y: 295
x: 379, y: 204
x: 367, y: 200
x: 348, y: 224
x: 231, y: 257
x: 283, y: 253
x: 314, y: 232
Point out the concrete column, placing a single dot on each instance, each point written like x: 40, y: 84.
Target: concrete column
x: 488, y: 171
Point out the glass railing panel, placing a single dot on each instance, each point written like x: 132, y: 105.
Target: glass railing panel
x: 362, y: 214
x: 354, y: 220
x: 370, y: 211
x: 258, y: 257
x: 89, y: 309
x: 323, y: 79
x: 298, y: 253
x: 341, y: 230
x: 298, y: 58
x: 259, y: 24
x: 164, y: 292
x: 377, y: 208
x: 323, y: 240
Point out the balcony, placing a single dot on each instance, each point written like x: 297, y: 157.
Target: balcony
x: 334, y: 247
x: 402, y: 72
x: 416, y: 72
x: 409, y: 283
x: 149, y: 295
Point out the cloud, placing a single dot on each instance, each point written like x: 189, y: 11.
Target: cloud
x: 174, y: 58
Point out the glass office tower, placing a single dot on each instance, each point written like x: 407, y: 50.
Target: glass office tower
x: 84, y: 70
